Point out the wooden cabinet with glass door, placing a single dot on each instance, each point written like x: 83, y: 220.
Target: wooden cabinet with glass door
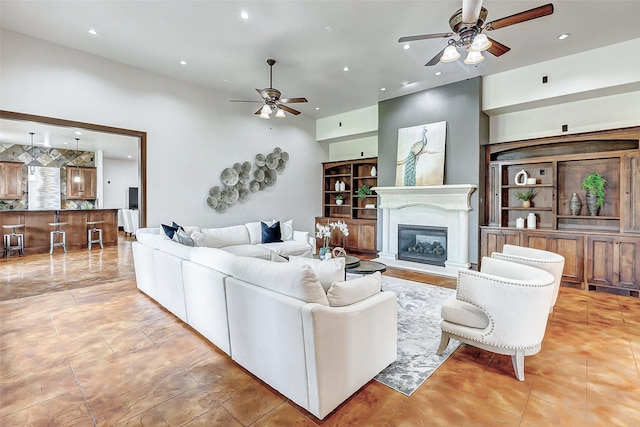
x: 81, y: 183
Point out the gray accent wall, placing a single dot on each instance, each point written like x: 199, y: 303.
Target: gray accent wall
x: 460, y: 105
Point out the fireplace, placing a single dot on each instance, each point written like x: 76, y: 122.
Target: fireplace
x: 444, y: 206
x: 425, y: 244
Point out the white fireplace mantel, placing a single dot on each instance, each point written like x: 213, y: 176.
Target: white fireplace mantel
x: 434, y: 205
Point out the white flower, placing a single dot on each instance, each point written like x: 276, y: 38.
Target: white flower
x: 324, y: 231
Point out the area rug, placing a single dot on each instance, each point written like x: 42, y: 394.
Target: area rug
x: 418, y: 334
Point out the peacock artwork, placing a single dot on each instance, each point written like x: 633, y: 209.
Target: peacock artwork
x: 421, y: 155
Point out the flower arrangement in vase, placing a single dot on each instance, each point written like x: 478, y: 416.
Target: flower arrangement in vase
x: 595, y: 185
x: 526, y: 197
x: 324, y: 232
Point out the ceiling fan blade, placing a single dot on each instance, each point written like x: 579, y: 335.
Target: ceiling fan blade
x: 242, y: 100
x: 425, y: 37
x: 527, y: 15
x: 497, y: 48
x: 471, y: 11
x: 288, y: 109
x: 290, y: 100
x: 435, y: 59
x: 257, y: 113
x: 263, y: 94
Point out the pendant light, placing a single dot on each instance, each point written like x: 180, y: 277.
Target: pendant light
x: 32, y: 169
x: 77, y: 178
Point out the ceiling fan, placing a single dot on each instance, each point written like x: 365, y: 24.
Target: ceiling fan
x: 467, y: 23
x: 272, y: 101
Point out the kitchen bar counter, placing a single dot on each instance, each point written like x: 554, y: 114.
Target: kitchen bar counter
x: 36, y: 229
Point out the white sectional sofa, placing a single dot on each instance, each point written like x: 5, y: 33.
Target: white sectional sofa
x: 273, y: 318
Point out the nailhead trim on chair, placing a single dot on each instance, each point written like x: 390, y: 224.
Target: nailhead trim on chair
x: 455, y: 334
x: 529, y: 259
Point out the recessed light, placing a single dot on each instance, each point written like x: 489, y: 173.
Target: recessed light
x: 406, y: 46
x: 65, y: 143
x: 183, y: 62
x: 328, y: 29
x: 345, y: 68
x: 244, y: 15
x: 404, y: 83
x: 383, y: 89
x: 78, y: 132
x: 438, y: 73
x: 317, y: 108
x: 563, y: 36
x: 129, y: 157
x: 92, y: 32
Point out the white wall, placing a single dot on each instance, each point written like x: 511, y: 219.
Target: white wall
x: 594, y: 90
x: 193, y: 133
x: 118, y: 176
x: 354, y: 149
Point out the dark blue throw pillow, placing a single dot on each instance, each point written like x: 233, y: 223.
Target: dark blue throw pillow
x: 170, y: 230
x: 271, y: 234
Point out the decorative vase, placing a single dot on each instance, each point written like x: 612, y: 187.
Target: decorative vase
x: 520, y: 223
x: 373, y: 171
x: 526, y: 203
x: 531, y: 220
x: 592, y: 204
x: 343, y: 186
x: 337, y: 185
x: 339, y: 202
x: 575, y: 205
x: 323, y: 251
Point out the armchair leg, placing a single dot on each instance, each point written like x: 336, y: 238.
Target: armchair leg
x: 444, y: 342
x: 518, y: 364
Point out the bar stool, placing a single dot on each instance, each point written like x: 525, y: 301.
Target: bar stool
x: 90, y: 232
x: 19, y: 240
x: 55, y: 233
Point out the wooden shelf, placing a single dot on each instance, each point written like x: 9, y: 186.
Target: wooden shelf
x: 532, y: 208
x: 530, y: 186
x: 615, y: 218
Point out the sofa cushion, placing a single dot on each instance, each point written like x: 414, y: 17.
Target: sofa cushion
x: 150, y: 236
x: 354, y: 290
x: 271, y: 233
x: 174, y: 248
x: 226, y: 236
x: 294, y: 280
x: 273, y: 256
x: 290, y: 247
x: 328, y: 270
x: 455, y: 311
x: 253, y: 251
x: 217, y: 259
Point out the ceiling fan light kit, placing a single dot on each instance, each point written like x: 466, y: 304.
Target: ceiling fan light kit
x: 469, y: 24
x: 272, y: 101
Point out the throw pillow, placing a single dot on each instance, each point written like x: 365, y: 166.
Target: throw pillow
x: 327, y: 270
x: 286, y: 229
x: 169, y: 230
x: 183, y: 238
x: 352, y: 291
x: 198, y: 238
x: 271, y: 234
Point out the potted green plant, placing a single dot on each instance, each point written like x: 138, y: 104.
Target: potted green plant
x: 364, y: 191
x: 595, y: 185
x: 526, y: 197
x: 339, y: 200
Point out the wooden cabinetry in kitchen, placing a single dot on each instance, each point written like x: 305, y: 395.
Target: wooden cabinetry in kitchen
x: 10, y: 180
x: 81, y: 183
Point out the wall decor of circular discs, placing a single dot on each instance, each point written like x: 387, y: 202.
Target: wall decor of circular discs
x: 242, y: 179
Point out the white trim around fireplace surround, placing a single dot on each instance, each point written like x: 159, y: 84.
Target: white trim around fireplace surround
x: 434, y: 205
